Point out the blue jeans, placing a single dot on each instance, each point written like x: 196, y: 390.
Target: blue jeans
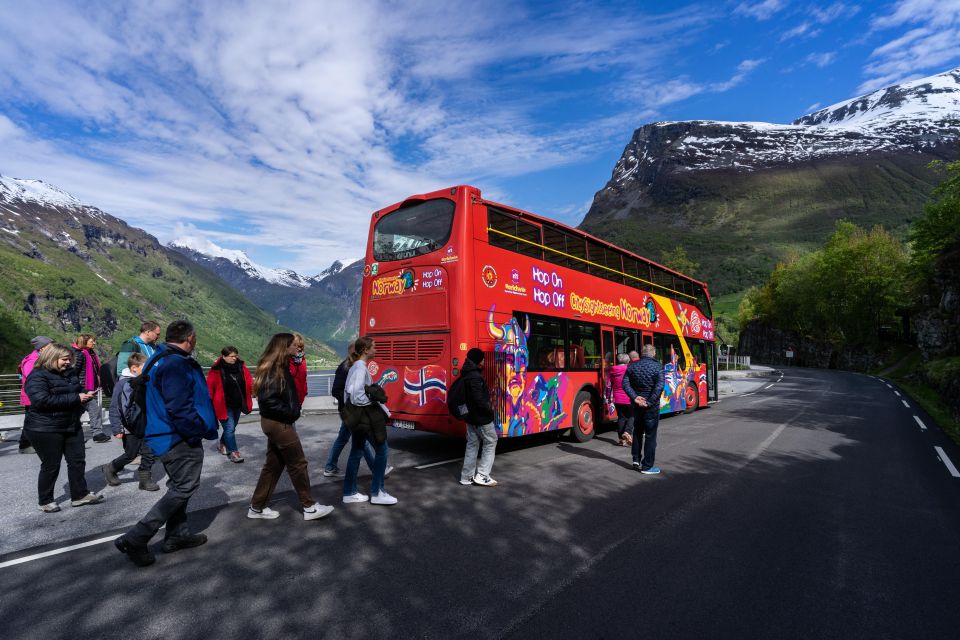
x: 342, y: 439
x: 649, y: 419
x: 229, y: 437
x: 378, y: 468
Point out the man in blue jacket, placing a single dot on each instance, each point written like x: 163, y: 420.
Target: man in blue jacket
x: 643, y: 382
x: 180, y: 415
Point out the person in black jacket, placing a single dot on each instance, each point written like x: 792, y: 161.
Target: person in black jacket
x: 279, y: 409
x: 53, y: 426
x: 479, y: 421
x: 643, y: 382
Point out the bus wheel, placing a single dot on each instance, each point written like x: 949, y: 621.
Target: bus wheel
x: 584, y: 417
x: 693, y: 399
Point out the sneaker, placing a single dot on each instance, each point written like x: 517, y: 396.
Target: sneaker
x: 317, y: 511
x: 51, y: 507
x: 90, y: 498
x: 138, y: 554
x: 235, y: 457
x: 636, y: 466
x: 108, y: 472
x: 652, y: 471
x: 383, y: 498
x: 222, y: 449
x: 387, y: 472
x: 357, y: 497
x: 176, y: 543
x: 466, y: 482
x: 265, y: 514
x: 28, y: 450
x: 331, y: 473
x: 486, y: 481
x: 101, y: 438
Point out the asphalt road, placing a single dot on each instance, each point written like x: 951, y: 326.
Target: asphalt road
x: 816, y: 507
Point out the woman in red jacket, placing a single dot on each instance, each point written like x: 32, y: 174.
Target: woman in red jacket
x: 231, y: 389
x: 298, y: 368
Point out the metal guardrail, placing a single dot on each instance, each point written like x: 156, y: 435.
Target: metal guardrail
x: 733, y: 362
x: 318, y: 384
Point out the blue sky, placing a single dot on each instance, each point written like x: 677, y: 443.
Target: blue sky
x: 278, y: 127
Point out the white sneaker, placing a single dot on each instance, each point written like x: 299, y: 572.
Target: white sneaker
x: 387, y: 472
x: 317, y: 511
x: 486, y: 481
x: 266, y: 514
x: 466, y: 482
x: 331, y: 474
x: 357, y: 497
x: 383, y: 498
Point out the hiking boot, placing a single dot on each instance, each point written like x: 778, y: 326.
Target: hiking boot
x: 100, y: 438
x: 317, y: 511
x: 146, y: 481
x: 486, y: 481
x: 235, y: 457
x: 383, y: 498
x: 111, y: 475
x: 90, y: 498
x: 50, y: 507
x: 139, y: 555
x: 176, y: 543
x: 264, y: 514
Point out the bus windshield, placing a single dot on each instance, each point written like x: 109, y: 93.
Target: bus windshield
x: 414, y: 230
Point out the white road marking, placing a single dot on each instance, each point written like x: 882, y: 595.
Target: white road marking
x: 905, y: 404
x: 897, y: 393
x: 766, y: 443
x: 54, y: 552
x: 888, y: 385
x: 947, y: 463
x: 920, y: 422
x: 437, y: 464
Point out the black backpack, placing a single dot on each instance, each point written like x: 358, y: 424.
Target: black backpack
x: 138, y: 396
x: 340, y: 382
x: 457, y: 399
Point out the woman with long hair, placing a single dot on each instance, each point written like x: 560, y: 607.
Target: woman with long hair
x: 355, y: 393
x: 53, y: 426
x: 86, y: 365
x: 279, y: 410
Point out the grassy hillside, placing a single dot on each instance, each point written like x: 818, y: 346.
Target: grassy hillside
x: 107, y: 279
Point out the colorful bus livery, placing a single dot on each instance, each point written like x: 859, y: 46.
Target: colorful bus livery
x: 550, y: 306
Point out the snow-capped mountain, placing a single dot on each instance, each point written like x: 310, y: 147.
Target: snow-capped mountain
x: 282, y: 277
x: 917, y: 115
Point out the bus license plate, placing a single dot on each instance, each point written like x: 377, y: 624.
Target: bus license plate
x: 403, y: 424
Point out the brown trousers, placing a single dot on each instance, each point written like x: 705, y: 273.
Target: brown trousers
x: 283, y: 450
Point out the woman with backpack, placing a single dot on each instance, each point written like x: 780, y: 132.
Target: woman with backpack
x: 279, y: 410
x: 231, y: 389
x: 366, y: 415
x: 53, y: 426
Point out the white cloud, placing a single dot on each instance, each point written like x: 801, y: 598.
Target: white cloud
x: 821, y: 59
x: 760, y: 10
x: 930, y: 44
x: 654, y: 95
x: 287, y: 126
x: 835, y: 11
x: 812, y: 108
x: 804, y: 29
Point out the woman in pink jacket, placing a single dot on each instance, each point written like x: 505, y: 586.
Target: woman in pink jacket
x: 621, y: 400
x: 39, y: 343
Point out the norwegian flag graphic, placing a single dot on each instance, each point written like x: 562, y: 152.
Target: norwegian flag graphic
x: 428, y: 384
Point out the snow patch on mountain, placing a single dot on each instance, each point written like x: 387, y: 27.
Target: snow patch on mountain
x: 282, y: 277
x: 35, y: 191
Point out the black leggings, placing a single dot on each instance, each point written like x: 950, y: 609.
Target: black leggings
x: 52, y: 449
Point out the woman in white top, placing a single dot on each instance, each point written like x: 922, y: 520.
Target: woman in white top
x: 354, y: 392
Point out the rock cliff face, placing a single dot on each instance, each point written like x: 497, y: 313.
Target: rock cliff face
x: 938, y: 326
x: 739, y: 195
x: 769, y: 345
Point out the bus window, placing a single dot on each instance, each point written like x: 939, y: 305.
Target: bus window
x: 583, y: 345
x: 510, y: 232
x: 626, y: 340
x: 545, y: 344
x: 413, y: 230
x: 667, y: 346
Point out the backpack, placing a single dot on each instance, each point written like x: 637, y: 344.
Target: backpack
x: 138, y: 398
x: 457, y: 399
x: 340, y: 382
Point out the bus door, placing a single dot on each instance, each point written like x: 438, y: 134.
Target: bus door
x: 609, y: 350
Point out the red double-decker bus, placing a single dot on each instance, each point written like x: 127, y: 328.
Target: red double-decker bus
x: 550, y: 306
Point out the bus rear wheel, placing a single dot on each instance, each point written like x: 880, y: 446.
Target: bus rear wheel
x: 692, y: 398
x: 584, y: 417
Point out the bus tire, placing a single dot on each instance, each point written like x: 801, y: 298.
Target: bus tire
x: 693, y: 398
x: 584, y: 417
